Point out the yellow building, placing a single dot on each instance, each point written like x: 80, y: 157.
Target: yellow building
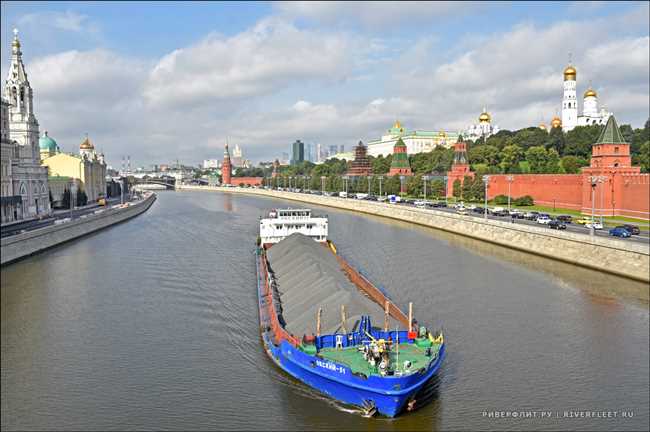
x: 87, y: 168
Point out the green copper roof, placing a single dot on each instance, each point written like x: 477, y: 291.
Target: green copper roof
x: 611, y: 134
x: 400, y: 143
x: 46, y: 143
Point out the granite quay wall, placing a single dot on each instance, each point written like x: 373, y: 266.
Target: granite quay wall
x: 605, y: 254
x: 31, y: 242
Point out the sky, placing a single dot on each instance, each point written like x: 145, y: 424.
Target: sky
x: 162, y: 81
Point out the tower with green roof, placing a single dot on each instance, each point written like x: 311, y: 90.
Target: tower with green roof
x: 400, y: 164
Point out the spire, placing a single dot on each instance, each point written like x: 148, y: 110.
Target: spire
x: 610, y: 134
x: 17, y: 89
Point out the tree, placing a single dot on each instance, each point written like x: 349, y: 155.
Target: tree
x: 478, y: 188
x: 528, y: 137
x: 466, y: 192
x: 553, y: 161
x: 65, y: 200
x: 486, y: 154
x: 51, y: 200
x: 82, y: 198
x: 438, y: 188
x: 537, y: 158
x: 572, y: 164
x: 644, y: 156
x: 456, y: 188
x: 511, y: 155
x: 579, y: 140
x: 556, y: 140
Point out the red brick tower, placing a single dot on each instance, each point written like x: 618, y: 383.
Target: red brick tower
x: 226, y: 167
x: 460, y: 167
x: 361, y: 163
x: 610, y: 167
x: 276, y: 165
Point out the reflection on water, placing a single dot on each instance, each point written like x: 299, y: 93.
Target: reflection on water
x: 153, y: 324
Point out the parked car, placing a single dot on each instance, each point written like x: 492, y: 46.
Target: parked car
x: 632, y: 229
x: 596, y: 225
x: 532, y: 215
x: 565, y: 218
x: 543, y: 220
x: 478, y: 209
x: 516, y: 214
x: 420, y: 204
x: 557, y: 224
x: 619, y: 231
x: 584, y: 221
x: 462, y: 211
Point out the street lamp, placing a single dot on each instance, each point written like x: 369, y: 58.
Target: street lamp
x: 369, y: 180
x: 510, y: 179
x: 425, y: 179
x: 322, y: 184
x: 73, y: 194
x: 401, y: 184
x: 346, y: 184
x: 486, y: 179
x: 446, y: 198
x: 380, y: 179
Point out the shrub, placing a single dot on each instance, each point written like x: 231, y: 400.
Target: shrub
x: 501, y: 199
x: 525, y: 200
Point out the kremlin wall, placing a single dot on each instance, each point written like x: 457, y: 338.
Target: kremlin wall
x: 617, y: 187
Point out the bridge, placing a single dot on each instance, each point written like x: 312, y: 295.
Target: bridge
x: 168, y: 182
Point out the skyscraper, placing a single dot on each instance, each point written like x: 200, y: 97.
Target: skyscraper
x: 332, y: 151
x: 297, y: 152
x: 342, y: 148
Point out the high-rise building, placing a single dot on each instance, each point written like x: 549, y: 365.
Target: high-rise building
x: 309, y: 154
x: 332, y: 151
x: 342, y: 148
x: 297, y: 152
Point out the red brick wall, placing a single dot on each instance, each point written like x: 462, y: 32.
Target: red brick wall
x: 250, y: 181
x: 632, y: 195
x: 563, y: 189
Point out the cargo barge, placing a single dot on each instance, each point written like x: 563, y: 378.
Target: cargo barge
x: 326, y: 325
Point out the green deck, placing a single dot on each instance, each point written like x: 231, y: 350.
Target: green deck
x: 353, y: 358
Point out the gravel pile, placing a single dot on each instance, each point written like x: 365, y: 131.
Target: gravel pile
x: 308, y: 276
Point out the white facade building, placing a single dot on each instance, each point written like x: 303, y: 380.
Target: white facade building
x: 211, y: 163
x: 416, y: 141
x: 29, y: 179
x: 590, y: 113
x: 484, y: 128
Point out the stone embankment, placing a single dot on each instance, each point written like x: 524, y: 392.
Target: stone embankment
x: 605, y: 254
x: 31, y: 242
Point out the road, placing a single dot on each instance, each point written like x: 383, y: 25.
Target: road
x: 570, y: 227
x: 58, y: 214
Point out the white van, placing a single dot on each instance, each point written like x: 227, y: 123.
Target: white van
x: 343, y: 194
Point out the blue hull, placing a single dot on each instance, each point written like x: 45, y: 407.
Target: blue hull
x: 388, y: 394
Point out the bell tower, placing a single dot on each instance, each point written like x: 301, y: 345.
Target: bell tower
x: 18, y: 91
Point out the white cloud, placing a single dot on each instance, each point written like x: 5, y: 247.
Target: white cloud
x: 277, y: 82
x: 67, y: 21
x: 382, y: 15
x: 265, y: 59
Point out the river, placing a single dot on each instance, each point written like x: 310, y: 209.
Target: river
x: 152, y: 324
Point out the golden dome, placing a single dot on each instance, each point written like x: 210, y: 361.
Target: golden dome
x: 556, y: 122
x: 542, y: 126
x: 86, y: 145
x: 570, y: 73
x: 397, y: 125
x: 591, y: 92
x: 484, y: 117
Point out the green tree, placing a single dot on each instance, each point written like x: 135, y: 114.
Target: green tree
x: 572, y: 164
x: 456, y: 188
x: 466, y: 192
x: 537, y: 158
x: 556, y: 140
x: 511, y: 155
x: 644, y: 156
x: 478, y: 188
x: 579, y: 140
x: 486, y: 154
x: 438, y: 188
x: 65, y: 200
x: 392, y: 185
x: 528, y: 137
x: 414, y: 186
x: 553, y: 161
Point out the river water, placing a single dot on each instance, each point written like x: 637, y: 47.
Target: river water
x: 152, y: 324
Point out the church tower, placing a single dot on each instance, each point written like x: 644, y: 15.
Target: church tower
x: 569, y: 102
x: 18, y: 91
x: 226, y: 168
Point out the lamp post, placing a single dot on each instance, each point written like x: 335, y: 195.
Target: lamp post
x: 509, y: 179
x: 401, y: 184
x: 322, y: 184
x: 380, y: 179
x: 446, y: 199
x: 592, y: 179
x: 346, y: 184
x: 73, y: 194
x: 486, y: 179
x: 369, y: 180
x: 602, y: 198
x: 425, y: 179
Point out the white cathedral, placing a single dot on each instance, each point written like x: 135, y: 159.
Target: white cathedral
x: 25, y: 192
x: 591, y: 115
